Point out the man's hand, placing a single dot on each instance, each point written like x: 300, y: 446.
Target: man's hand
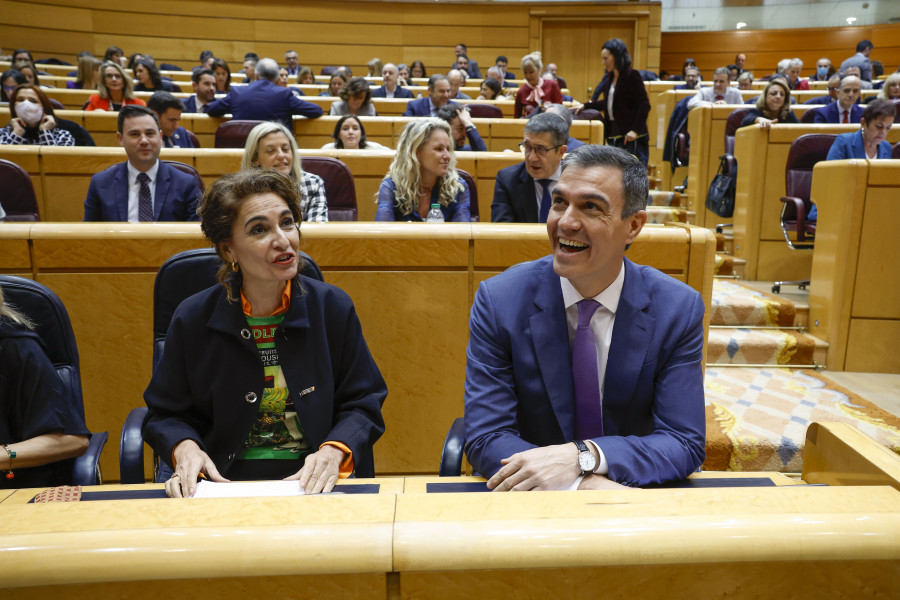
x: 465, y: 118
x: 600, y: 482
x: 631, y: 136
x: 547, y: 468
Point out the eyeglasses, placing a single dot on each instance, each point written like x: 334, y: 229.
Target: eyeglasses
x: 539, y: 150
x: 112, y: 76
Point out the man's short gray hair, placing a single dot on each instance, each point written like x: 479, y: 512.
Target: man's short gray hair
x: 634, y: 174
x: 267, y: 68
x: 550, y: 123
x: 558, y: 109
x: 722, y: 71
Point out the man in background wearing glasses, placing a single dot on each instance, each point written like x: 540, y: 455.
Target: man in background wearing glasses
x: 522, y: 192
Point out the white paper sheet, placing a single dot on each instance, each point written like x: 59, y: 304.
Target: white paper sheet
x: 247, y: 489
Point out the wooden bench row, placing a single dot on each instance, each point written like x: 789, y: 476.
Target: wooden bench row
x: 61, y: 176
x: 405, y: 281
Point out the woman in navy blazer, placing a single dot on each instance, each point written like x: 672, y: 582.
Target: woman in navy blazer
x: 266, y: 376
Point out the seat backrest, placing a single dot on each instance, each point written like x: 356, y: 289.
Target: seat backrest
x: 327, y: 70
x: 484, y: 111
x: 473, y: 194
x: 194, y: 141
x: 189, y: 170
x: 18, y: 199
x: 340, y: 189
x: 185, y: 274
x: 233, y: 134
x: 896, y: 151
x: 588, y: 114
x: 176, y: 89
x: 809, y: 115
x: 731, y: 126
x: 805, y: 152
x: 51, y: 322
x: 56, y: 104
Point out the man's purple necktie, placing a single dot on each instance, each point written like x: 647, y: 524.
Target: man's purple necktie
x: 145, y: 203
x: 588, y: 410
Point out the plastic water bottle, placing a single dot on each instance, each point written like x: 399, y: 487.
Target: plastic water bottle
x: 435, y: 215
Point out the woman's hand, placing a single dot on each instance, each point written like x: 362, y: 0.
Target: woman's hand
x: 765, y: 123
x: 190, y: 461
x: 48, y: 123
x: 320, y: 471
x: 631, y: 136
x: 18, y: 126
x: 578, y: 108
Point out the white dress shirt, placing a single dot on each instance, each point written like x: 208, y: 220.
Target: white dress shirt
x: 602, y: 323
x: 134, y: 190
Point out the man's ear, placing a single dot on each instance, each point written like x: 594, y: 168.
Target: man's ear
x: 636, y: 222
x: 120, y: 138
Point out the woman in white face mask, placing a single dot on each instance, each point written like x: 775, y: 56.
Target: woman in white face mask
x: 32, y: 121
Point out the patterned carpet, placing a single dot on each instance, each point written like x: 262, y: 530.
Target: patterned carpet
x: 756, y: 419
x: 736, y: 346
x: 734, y: 304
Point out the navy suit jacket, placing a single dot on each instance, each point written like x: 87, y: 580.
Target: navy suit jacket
x: 514, y: 198
x: 176, y: 198
x: 519, y: 390
x: 190, y: 105
x: 830, y: 114
x: 399, y: 92
x: 263, y: 101
x: 179, y: 139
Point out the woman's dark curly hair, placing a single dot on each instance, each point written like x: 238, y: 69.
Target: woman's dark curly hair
x: 221, y: 204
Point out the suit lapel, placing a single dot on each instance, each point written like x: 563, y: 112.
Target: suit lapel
x: 526, y: 195
x: 162, y: 189
x: 549, y: 334
x: 632, y: 332
x: 120, y: 191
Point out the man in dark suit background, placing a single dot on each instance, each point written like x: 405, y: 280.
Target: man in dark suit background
x: 391, y: 88
x: 583, y: 369
x: 845, y: 110
x: 472, y: 67
x: 438, y: 96
x: 143, y: 188
x: 168, y: 111
x: 465, y: 134
x: 264, y: 100
x: 522, y: 193
x: 204, y: 84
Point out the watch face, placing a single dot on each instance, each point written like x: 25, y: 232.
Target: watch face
x: 586, y: 461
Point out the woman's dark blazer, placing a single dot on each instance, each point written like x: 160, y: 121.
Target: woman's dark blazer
x: 631, y: 106
x: 209, y: 379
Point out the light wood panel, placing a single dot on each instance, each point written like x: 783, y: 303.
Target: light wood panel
x: 855, y: 293
x: 764, y: 48
x: 323, y: 33
x: 762, y: 155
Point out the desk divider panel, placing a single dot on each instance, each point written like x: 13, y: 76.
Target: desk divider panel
x: 762, y: 156
x: 854, y: 298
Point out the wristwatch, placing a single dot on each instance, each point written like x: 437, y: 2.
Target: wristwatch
x: 587, y: 462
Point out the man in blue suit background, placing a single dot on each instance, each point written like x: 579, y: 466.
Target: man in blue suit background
x: 168, y: 110
x: 632, y: 413
x: 848, y: 94
x: 143, y: 188
x: 438, y: 96
x: 263, y: 100
x: 391, y: 87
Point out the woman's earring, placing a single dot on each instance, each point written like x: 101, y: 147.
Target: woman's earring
x: 235, y: 267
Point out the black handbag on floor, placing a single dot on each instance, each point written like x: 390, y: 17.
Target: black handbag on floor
x: 720, y: 198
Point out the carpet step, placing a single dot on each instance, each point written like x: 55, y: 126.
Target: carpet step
x: 729, y: 267
x: 737, y: 303
x: 668, y: 214
x: 742, y: 346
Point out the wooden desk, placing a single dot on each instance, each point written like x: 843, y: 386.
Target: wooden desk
x: 782, y: 540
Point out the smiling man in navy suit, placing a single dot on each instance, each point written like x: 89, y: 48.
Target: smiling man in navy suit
x: 584, y: 370
x: 143, y: 188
